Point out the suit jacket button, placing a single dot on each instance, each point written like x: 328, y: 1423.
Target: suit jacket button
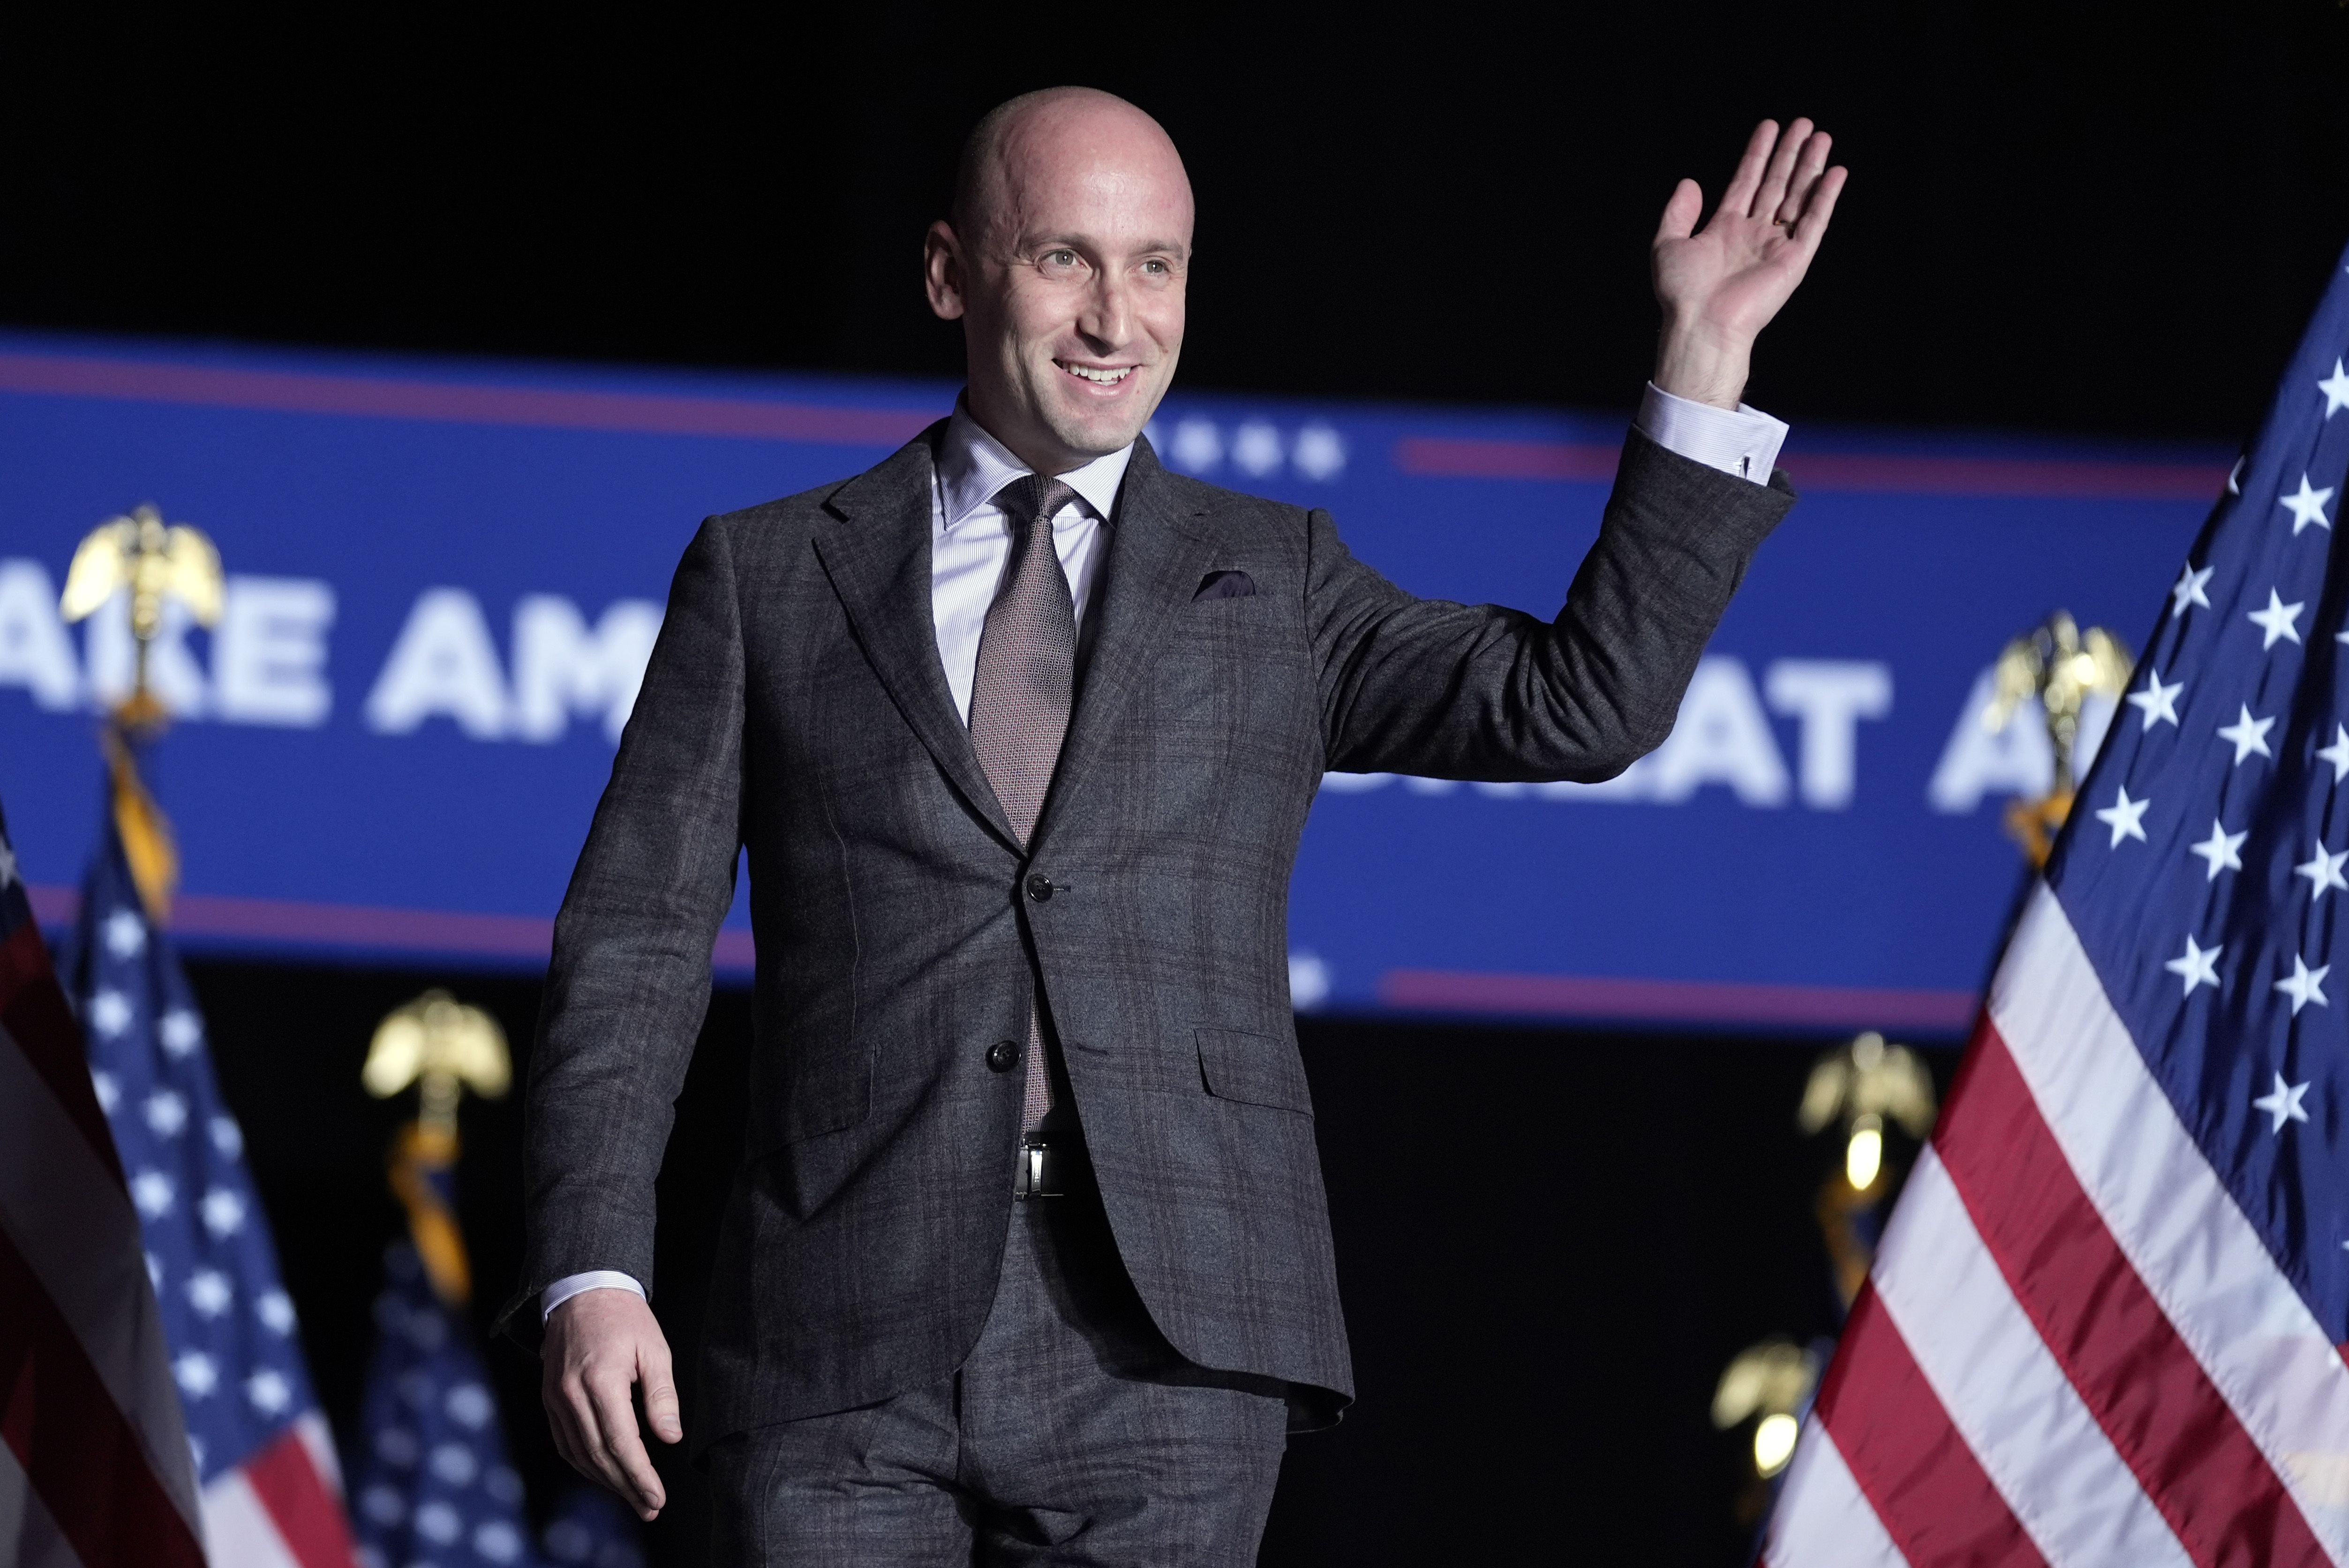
x: 1039, y: 887
x: 1003, y: 1056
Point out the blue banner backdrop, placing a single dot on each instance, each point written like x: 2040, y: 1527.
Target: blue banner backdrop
x: 444, y: 577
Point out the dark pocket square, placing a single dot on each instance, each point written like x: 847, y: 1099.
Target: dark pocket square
x: 1226, y: 585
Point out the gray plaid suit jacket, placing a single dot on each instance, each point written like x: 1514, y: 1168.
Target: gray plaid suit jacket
x: 796, y: 707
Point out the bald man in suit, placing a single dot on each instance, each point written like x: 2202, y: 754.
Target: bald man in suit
x: 1029, y: 1261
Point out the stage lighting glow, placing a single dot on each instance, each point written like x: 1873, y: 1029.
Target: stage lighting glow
x: 1773, y: 1443
x: 1863, y: 1157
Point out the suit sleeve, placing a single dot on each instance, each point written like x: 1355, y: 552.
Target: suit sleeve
x: 629, y: 982
x: 1462, y: 691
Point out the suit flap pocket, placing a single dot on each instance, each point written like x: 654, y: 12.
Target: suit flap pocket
x: 1259, y: 1070
x: 821, y: 1093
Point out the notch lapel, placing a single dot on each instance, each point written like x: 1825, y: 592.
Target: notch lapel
x: 1155, y: 565
x: 877, y: 554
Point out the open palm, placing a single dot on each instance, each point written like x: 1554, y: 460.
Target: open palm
x: 1718, y: 286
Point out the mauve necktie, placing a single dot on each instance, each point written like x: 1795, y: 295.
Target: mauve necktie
x: 1021, y: 690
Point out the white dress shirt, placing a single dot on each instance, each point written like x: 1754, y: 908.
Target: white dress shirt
x: 970, y: 541
x: 1744, y: 442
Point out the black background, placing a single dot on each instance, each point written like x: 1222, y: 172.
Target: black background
x: 2083, y: 217
x: 2068, y: 217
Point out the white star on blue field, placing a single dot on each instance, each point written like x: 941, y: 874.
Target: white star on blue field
x: 2199, y: 879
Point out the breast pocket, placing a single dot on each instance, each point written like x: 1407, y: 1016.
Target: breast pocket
x: 1253, y: 1069
x: 1232, y: 662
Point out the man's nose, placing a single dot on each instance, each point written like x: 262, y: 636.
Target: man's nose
x: 1107, y: 316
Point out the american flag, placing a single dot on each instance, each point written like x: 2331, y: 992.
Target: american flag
x: 263, y: 1456
x: 432, y: 1483
x: 94, y: 1468
x: 2106, y: 1324
x: 591, y: 1530
x: 431, y: 1479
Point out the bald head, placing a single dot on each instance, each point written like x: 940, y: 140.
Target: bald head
x: 1035, y: 133
x: 1065, y: 258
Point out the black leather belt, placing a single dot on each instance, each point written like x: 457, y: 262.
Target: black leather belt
x: 1049, y: 1167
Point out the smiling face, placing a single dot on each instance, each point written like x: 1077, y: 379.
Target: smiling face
x: 1066, y: 263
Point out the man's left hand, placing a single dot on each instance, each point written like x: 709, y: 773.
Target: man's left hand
x: 1719, y: 286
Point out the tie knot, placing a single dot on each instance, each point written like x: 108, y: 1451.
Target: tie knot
x: 1032, y: 495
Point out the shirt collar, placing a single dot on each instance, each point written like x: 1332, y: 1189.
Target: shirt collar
x: 973, y: 466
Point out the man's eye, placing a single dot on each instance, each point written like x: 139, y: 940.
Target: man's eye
x: 1060, y: 258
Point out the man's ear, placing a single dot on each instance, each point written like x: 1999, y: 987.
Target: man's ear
x: 942, y: 270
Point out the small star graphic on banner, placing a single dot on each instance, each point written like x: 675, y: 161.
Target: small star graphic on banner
x: 2307, y: 506
x: 2305, y: 984
x: 2247, y: 735
x: 2198, y: 965
x: 2221, y: 849
x: 2157, y: 702
x: 2337, y: 753
x: 2189, y: 590
x: 2335, y: 388
x: 2284, y: 1103
x: 2324, y: 871
x: 2276, y: 621
x: 2125, y: 818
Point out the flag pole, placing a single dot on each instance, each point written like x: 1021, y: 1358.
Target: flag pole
x: 442, y: 1047
x: 429, y: 1468
x: 158, y: 564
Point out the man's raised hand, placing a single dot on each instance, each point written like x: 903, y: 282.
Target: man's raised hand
x: 601, y: 1347
x: 1718, y: 286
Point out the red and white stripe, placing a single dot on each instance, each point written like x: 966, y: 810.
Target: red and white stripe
x: 2074, y: 1348
x: 96, y: 1472
x: 282, y: 1507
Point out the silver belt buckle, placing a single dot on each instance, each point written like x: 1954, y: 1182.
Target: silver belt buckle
x: 1043, y: 1170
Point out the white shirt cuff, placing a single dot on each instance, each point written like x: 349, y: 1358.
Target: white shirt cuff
x: 1745, y: 443
x: 569, y: 1285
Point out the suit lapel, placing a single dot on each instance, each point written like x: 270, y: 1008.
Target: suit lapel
x: 877, y: 554
x: 1155, y: 565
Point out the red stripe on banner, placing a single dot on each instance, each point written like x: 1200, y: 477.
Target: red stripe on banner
x: 1474, y: 458
x: 1915, y: 1472
x: 2144, y: 1388
x: 283, y: 920
x: 1866, y: 472
x: 53, y: 906
x: 74, y: 1443
x: 379, y: 397
x: 2061, y: 477
x: 359, y: 925
x: 305, y: 1513
x: 34, y: 1012
x: 1678, y: 1001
